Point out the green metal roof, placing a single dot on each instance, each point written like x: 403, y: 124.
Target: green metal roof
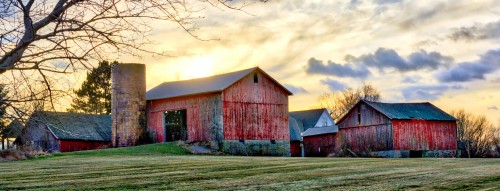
x: 425, y: 111
x: 75, y: 126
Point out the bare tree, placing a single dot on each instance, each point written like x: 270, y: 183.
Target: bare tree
x: 339, y: 103
x: 476, y: 134
x: 42, y: 41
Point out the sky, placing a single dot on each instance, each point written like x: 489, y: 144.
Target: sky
x: 443, y: 52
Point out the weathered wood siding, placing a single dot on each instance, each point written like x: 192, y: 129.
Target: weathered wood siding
x: 374, y: 133
x: 79, y: 145
x: 319, y: 145
x: 366, y: 138
x: 255, y: 111
x: 204, y: 115
x: 424, y: 135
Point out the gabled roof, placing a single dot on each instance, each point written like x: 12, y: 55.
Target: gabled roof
x: 210, y: 84
x: 320, y: 131
x: 75, y: 126
x: 425, y: 111
x: 294, y: 130
x: 13, y: 130
x: 307, y: 118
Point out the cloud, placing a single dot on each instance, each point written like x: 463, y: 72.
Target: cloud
x: 426, y: 92
x: 295, y: 89
x: 493, y: 107
x: 381, y: 2
x: 477, y: 32
x: 468, y: 71
x: 334, y: 85
x: 333, y: 69
x: 389, y: 58
x: 411, y: 79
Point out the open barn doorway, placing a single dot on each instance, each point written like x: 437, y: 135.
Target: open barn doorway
x: 175, y: 125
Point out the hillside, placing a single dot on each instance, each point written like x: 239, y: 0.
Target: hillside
x: 166, y: 166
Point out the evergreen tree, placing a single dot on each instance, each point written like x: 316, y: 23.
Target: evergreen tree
x: 94, y: 96
x: 3, y: 106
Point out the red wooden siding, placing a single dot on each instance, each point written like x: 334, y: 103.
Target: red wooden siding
x: 367, y: 138
x: 424, y: 135
x: 203, y: 112
x: 295, y: 150
x: 319, y: 145
x: 79, y: 145
x: 255, y: 111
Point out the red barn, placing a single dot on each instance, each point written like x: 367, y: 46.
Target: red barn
x: 398, y: 130
x: 243, y: 112
x: 65, y: 132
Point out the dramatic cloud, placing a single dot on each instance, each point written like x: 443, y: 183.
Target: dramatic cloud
x: 333, y: 69
x: 295, y: 89
x: 477, y: 32
x: 468, y: 71
x: 388, y: 58
x: 430, y: 92
x: 493, y: 107
x: 381, y: 2
x: 334, y: 85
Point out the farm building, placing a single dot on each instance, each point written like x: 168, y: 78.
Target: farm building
x: 243, y: 112
x: 65, y: 132
x: 305, y: 120
x: 398, y: 130
x: 312, y: 118
x: 319, y: 141
x: 295, y: 138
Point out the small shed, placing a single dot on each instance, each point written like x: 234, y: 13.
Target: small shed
x: 319, y: 141
x: 398, y: 130
x: 295, y: 138
x: 65, y: 132
x: 243, y: 112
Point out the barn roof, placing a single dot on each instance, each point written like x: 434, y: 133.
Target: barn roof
x: 320, y: 131
x: 210, y: 84
x: 424, y: 110
x: 76, y: 126
x: 294, y: 130
x: 307, y: 118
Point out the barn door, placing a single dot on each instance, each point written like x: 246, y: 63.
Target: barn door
x: 175, y: 126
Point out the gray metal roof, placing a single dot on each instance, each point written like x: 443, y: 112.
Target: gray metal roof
x: 320, y: 131
x: 75, y: 126
x: 307, y: 118
x: 294, y: 130
x: 425, y: 111
x: 210, y: 84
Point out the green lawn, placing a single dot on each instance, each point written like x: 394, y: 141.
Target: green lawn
x: 166, y: 166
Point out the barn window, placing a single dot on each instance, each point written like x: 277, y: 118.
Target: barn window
x: 242, y: 141
x: 255, y: 78
x: 273, y: 142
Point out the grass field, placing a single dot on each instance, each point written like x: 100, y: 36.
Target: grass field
x: 166, y: 166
